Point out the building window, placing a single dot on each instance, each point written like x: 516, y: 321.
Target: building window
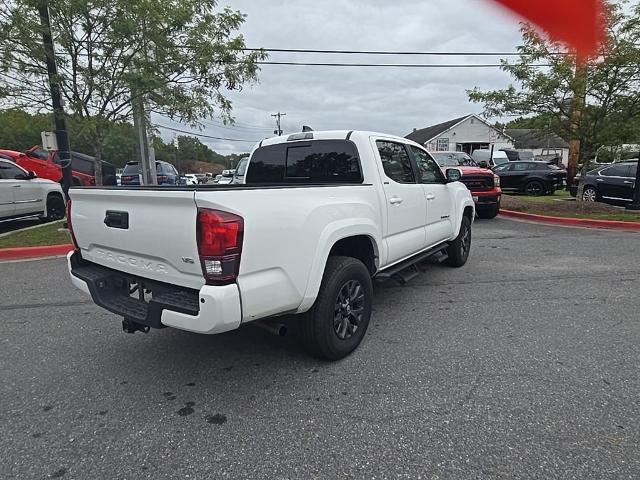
x: 443, y: 145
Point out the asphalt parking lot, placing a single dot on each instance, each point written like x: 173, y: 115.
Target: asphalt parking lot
x: 522, y: 364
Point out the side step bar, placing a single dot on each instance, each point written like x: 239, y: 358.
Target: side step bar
x: 408, y: 269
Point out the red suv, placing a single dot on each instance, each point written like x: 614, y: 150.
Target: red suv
x: 47, y: 165
x: 482, y: 182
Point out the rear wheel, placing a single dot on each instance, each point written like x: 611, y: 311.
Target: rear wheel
x: 589, y: 194
x: 55, y: 208
x: 458, y: 250
x: 338, y: 320
x: 489, y: 211
x: 534, y: 187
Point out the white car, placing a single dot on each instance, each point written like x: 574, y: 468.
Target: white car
x: 22, y: 195
x: 321, y: 215
x: 190, y: 179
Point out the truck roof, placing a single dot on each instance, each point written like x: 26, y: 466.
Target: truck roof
x: 328, y: 135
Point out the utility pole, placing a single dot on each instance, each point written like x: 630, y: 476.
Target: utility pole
x: 176, y: 144
x: 147, y: 155
x: 62, y: 137
x: 278, y: 117
x: 577, y: 106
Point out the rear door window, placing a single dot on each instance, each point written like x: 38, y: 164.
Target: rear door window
x: 314, y: 162
x: 616, y: 171
x: 396, y: 162
x: 520, y: 167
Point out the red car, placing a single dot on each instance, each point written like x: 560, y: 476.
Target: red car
x: 47, y: 165
x: 482, y: 182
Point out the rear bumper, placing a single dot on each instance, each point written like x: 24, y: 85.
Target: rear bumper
x: 212, y: 309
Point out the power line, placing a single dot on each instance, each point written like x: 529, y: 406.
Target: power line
x: 236, y: 126
x: 196, y: 134
x: 384, y: 52
x: 399, y: 65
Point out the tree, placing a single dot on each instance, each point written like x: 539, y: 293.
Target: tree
x: 179, y: 56
x: 604, y: 89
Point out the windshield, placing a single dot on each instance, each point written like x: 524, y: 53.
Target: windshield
x: 453, y: 159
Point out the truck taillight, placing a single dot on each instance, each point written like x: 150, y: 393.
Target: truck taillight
x: 219, y: 235
x: 70, y: 227
x: 496, y: 180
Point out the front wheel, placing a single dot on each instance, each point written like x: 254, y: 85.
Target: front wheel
x: 488, y: 212
x: 338, y: 320
x: 458, y: 250
x: 589, y: 194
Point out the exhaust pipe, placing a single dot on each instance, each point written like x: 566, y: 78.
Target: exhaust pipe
x: 277, y: 329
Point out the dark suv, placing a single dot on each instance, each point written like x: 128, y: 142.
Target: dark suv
x: 532, y: 178
x: 165, y: 173
x: 609, y: 184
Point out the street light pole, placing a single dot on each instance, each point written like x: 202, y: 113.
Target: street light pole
x: 62, y: 137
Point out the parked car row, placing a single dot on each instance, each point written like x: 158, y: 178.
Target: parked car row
x: 48, y: 165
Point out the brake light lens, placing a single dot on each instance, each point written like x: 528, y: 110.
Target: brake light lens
x: 496, y: 180
x: 70, y: 227
x: 219, y: 236
x: 162, y: 178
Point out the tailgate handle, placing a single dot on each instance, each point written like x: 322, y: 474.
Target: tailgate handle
x: 115, y: 219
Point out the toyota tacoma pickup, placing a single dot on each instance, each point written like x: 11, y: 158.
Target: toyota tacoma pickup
x: 483, y: 184
x: 319, y: 216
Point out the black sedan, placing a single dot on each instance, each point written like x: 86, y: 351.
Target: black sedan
x: 532, y: 178
x: 611, y: 184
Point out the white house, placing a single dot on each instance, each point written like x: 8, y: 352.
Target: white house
x: 464, y: 134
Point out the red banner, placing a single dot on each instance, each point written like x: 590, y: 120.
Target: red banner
x: 575, y: 22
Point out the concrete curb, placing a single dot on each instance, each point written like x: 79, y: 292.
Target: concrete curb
x: 573, y: 222
x: 23, y: 253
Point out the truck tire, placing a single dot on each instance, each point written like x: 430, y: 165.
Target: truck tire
x: 459, y: 248
x: 338, y: 320
x: 488, y: 212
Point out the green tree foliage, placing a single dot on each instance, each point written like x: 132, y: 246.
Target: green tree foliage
x: 180, y: 56
x: 544, y: 95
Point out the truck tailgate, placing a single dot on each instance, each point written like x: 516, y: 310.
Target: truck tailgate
x: 147, y: 233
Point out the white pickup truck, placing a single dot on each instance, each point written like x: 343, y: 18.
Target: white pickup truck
x: 320, y: 215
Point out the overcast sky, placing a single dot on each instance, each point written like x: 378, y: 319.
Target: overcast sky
x: 390, y: 100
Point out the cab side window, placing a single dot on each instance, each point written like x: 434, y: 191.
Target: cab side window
x: 396, y: 162
x: 427, y: 167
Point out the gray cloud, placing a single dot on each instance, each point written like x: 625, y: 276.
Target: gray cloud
x: 391, y: 100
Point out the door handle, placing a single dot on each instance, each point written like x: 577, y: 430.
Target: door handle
x: 430, y: 196
x: 17, y: 186
x: 395, y: 200
x: 629, y: 182
x: 599, y: 180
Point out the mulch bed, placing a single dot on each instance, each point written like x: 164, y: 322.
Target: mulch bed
x: 511, y: 202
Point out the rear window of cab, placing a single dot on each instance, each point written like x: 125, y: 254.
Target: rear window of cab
x: 310, y: 162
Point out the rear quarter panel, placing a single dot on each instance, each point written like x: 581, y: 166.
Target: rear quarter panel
x: 288, y: 234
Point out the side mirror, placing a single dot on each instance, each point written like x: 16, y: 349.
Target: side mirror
x: 453, y: 175
x: 32, y: 175
x: 483, y: 164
